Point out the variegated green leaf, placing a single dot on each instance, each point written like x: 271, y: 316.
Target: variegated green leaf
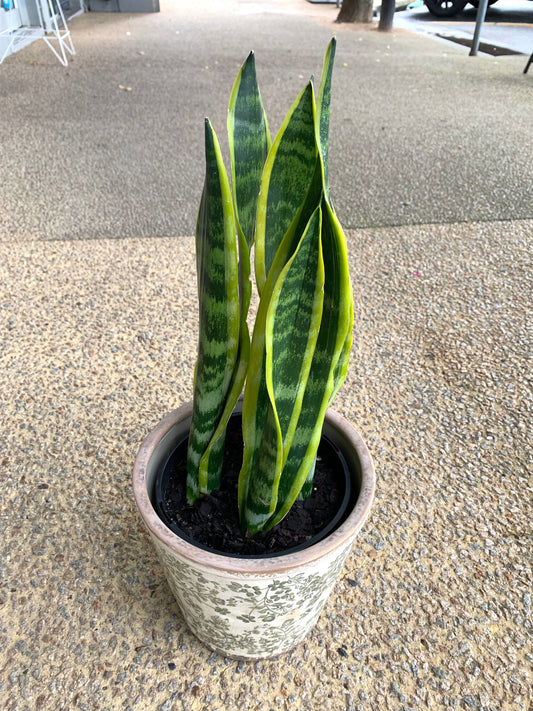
x: 249, y: 142
x: 307, y: 488
x: 322, y: 120
x: 323, y: 109
x: 293, y: 323
x: 255, y: 405
x: 219, y: 321
x: 286, y: 177
x: 341, y: 369
x: 328, y: 368
x: 291, y: 329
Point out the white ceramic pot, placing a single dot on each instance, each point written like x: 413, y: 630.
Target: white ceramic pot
x: 251, y: 608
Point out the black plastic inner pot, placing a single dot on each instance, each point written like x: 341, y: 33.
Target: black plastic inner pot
x: 172, y: 473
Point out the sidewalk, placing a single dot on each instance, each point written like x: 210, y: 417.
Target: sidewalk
x: 421, y: 132
x: 507, y: 29
x: 97, y: 334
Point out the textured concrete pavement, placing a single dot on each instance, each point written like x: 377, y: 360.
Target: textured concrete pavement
x: 433, y: 609
x: 421, y: 132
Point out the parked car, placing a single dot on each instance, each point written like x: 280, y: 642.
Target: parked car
x: 448, y: 8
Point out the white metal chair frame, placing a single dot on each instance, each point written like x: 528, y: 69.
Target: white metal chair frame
x: 48, y: 29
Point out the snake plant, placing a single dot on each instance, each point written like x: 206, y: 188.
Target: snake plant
x: 279, y: 204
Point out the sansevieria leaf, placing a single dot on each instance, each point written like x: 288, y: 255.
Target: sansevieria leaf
x: 328, y: 368
x: 249, y: 142
x: 291, y: 329
x: 323, y: 110
x: 299, y: 122
x: 219, y: 322
x: 286, y: 176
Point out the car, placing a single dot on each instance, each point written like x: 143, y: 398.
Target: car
x: 448, y: 8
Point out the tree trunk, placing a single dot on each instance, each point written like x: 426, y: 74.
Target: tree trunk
x: 356, y: 11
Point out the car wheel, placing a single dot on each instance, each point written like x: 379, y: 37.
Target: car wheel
x: 445, y: 8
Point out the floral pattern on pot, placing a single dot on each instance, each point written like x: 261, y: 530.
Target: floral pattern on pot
x: 251, y: 608
x: 251, y: 617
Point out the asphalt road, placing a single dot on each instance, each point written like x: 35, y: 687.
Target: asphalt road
x: 508, y: 25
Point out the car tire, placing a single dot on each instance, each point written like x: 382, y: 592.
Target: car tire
x: 445, y: 8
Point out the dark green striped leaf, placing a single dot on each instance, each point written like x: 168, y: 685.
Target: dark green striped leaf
x: 291, y: 330
x: 249, y: 142
x: 292, y: 327
x: 219, y: 321
x: 286, y: 177
x: 322, y: 112
x: 328, y: 368
x: 256, y: 400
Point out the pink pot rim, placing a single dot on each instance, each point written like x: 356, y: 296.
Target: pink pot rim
x: 345, y: 435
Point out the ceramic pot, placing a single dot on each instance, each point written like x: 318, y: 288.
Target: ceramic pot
x: 251, y: 608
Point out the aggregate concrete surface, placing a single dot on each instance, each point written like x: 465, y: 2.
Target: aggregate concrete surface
x: 422, y: 132
x: 433, y: 609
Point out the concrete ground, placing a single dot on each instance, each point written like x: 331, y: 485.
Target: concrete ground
x: 432, y: 174
x: 422, y: 132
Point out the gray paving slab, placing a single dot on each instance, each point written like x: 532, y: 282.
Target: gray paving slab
x: 421, y: 132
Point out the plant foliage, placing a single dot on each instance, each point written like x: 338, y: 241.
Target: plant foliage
x: 298, y: 355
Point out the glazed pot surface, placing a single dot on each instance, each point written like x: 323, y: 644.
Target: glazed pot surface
x: 251, y: 608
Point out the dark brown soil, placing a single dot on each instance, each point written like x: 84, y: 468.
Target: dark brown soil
x: 213, y: 521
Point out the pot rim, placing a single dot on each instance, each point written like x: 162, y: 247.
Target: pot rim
x: 346, y: 436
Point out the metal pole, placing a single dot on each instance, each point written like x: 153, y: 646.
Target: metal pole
x: 480, y: 19
x: 386, y: 15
